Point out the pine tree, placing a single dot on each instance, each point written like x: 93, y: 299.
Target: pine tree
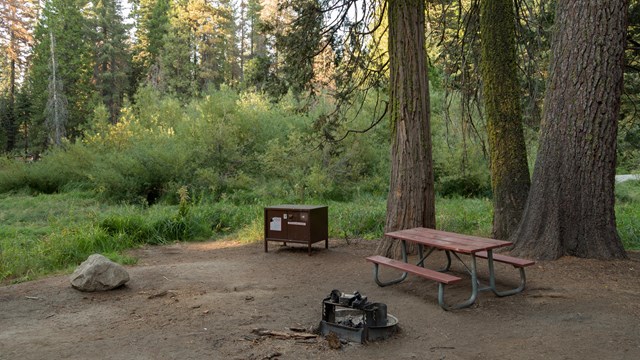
x: 16, y: 21
x: 205, y: 34
x: 152, y: 25
x: 299, y: 42
x: 177, y: 58
x: 63, y: 19
x: 111, y: 60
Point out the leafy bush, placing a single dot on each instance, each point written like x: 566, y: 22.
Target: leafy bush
x: 467, y: 185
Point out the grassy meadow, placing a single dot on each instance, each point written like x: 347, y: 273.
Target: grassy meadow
x: 169, y: 171
x: 51, y: 233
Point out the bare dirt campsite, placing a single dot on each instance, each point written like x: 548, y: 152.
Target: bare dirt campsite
x: 207, y: 300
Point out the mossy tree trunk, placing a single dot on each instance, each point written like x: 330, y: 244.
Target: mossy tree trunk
x: 570, y: 210
x: 509, y: 170
x: 411, y: 199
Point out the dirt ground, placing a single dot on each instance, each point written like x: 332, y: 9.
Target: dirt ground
x: 204, y: 300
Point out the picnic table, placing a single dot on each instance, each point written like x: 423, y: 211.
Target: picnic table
x: 452, y: 244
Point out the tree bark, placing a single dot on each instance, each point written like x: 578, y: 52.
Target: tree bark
x: 509, y: 169
x: 411, y: 199
x: 570, y: 210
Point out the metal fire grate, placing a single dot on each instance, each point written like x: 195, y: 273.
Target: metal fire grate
x: 351, y: 317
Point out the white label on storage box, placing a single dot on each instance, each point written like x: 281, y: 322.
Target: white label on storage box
x: 297, y: 223
x: 276, y: 224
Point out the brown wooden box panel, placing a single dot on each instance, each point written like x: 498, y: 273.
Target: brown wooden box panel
x: 305, y: 224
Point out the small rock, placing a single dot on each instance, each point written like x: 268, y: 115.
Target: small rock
x: 98, y: 273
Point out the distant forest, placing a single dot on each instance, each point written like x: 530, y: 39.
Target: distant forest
x: 63, y: 60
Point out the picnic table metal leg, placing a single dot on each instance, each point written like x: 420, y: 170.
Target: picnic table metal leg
x: 422, y: 256
x: 448, y: 266
x: 492, y: 279
x: 474, y: 290
x: 394, y: 281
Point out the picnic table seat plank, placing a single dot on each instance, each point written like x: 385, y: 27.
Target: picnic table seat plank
x: 516, y: 262
x: 414, y: 269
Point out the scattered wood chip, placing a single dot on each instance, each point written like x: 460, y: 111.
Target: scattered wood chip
x: 441, y: 348
x: 157, y: 295
x: 333, y: 340
x: 298, y: 329
x: 306, y: 341
x: 33, y: 298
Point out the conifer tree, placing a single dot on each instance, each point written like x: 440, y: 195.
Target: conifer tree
x: 110, y: 57
x: 63, y: 19
x: 16, y: 22
x: 152, y: 25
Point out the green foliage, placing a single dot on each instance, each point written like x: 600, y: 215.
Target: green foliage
x: 465, y: 216
x: 64, y: 21
x: 628, y: 213
x: 224, y: 146
x: 109, y: 35
x: 465, y: 185
x: 151, y: 29
x: 364, y: 218
x: 461, y: 166
x: 628, y: 192
x: 48, y: 233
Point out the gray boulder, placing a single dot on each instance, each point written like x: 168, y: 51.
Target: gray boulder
x: 98, y: 273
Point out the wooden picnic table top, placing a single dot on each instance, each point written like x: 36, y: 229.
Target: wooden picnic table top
x: 444, y: 240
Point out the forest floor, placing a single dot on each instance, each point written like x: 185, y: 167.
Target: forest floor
x: 205, y: 300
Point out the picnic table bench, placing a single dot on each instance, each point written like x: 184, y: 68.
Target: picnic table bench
x: 452, y: 244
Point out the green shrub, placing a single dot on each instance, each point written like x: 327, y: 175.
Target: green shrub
x: 13, y: 175
x: 466, y: 185
x: 56, y: 170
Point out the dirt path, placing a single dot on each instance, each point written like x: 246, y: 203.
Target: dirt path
x: 196, y: 301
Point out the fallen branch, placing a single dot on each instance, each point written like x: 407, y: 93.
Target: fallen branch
x: 283, y: 334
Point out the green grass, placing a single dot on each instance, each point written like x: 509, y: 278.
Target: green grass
x: 46, y: 234
x: 465, y: 216
x: 628, y: 213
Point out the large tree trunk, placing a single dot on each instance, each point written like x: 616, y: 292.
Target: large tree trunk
x: 509, y: 169
x: 411, y: 194
x: 570, y: 210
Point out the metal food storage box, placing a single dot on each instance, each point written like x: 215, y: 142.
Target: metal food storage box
x: 302, y: 224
